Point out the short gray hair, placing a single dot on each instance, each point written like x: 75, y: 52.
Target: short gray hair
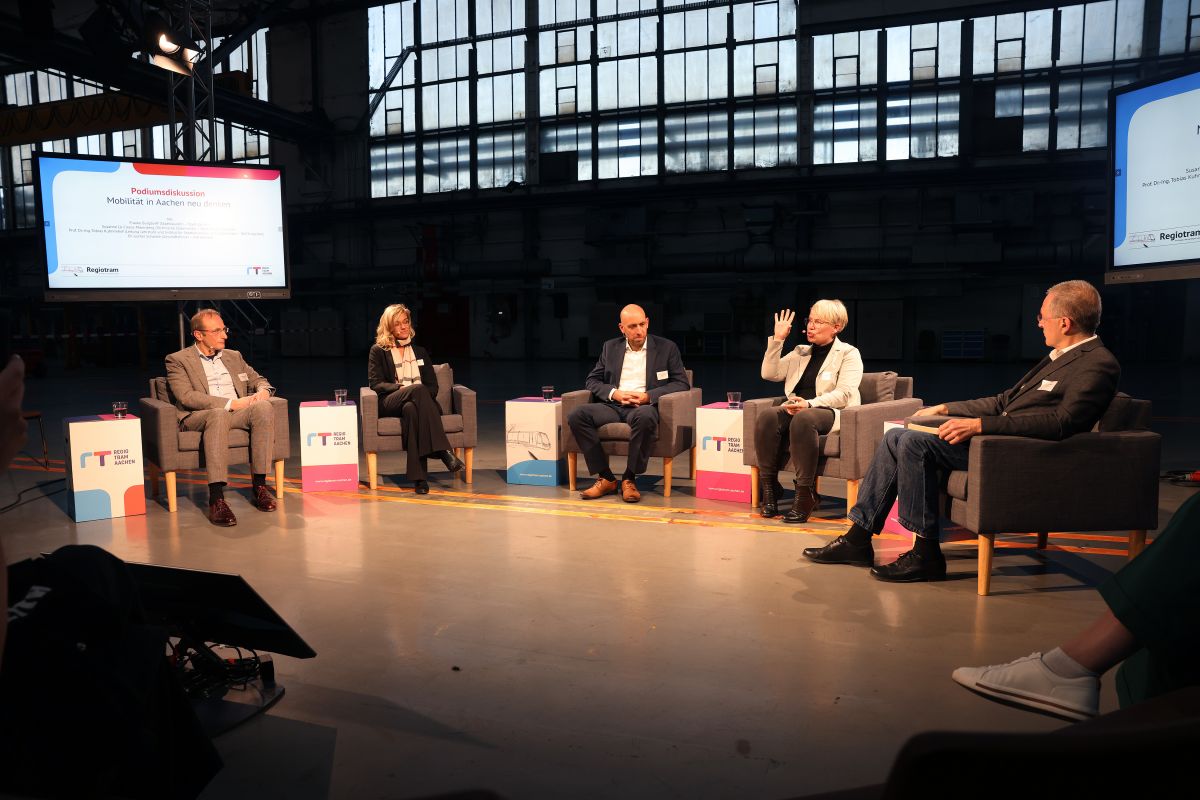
x: 1078, y: 301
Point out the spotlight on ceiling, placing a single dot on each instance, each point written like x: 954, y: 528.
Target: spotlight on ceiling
x: 169, y: 47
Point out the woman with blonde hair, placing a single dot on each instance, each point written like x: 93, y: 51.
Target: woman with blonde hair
x: 819, y: 379
x: 402, y: 374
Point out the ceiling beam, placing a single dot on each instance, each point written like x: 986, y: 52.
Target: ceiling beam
x: 138, y: 79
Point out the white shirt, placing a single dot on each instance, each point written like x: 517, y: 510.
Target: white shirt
x: 220, y: 382
x: 1054, y: 354
x: 633, y: 369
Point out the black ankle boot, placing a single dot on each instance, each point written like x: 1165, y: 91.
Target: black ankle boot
x: 452, y: 462
x: 770, y: 500
x: 805, y: 501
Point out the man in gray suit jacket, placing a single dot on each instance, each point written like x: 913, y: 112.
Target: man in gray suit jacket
x: 1065, y: 393
x: 216, y: 391
x: 632, y: 373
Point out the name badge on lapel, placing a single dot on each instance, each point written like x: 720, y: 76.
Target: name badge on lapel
x: 662, y: 374
x: 242, y: 376
x: 1047, y: 386
x: 420, y: 362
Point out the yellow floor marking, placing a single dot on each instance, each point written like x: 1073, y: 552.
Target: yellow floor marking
x: 642, y: 514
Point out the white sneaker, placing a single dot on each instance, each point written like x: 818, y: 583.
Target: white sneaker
x: 1030, y: 683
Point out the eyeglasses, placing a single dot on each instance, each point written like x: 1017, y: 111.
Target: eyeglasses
x: 816, y: 321
x: 215, y: 330
x: 1042, y: 319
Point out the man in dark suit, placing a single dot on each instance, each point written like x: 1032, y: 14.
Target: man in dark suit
x: 1065, y: 393
x: 216, y: 391
x: 633, y: 372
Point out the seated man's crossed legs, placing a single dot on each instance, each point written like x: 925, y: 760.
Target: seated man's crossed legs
x: 908, y: 466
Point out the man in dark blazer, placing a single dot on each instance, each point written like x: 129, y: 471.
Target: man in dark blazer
x: 1065, y: 393
x: 216, y: 391
x: 633, y: 372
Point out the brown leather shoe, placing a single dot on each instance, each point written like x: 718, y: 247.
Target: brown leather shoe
x: 263, y: 499
x: 600, y: 488
x: 219, y: 513
x: 629, y: 492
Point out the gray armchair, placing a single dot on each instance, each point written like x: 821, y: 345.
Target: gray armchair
x: 846, y: 454
x: 1099, y: 481
x: 168, y: 449
x: 676, y: 432
x: 460, y: 420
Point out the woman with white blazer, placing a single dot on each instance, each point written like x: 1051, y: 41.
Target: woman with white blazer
x: 819, y: 379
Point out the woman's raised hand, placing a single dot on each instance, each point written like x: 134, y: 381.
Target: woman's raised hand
x: 783, y: 323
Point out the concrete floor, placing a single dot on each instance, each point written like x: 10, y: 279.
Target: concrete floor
x: 521, y: 640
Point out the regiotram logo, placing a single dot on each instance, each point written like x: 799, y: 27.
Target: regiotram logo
x: 336, y: 438
x: 728, y: 444
x: 99, y: 454
x: 105, y: 458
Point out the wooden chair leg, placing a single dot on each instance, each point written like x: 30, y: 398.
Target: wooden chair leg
x: 154, y: 471
x: 1137, y: 543
x: 373, y: 470
x: 1043, y: 539
x: 279, y: 478
x: 851, y: 494
x: 692, y: 464
x: 987, y: 543
x: 572, y: 469
x: 755, y: 497
x: 172, y: 505
x: 469, y: 460
x: 667, y: 477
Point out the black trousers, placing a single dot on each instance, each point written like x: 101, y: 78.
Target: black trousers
x: 778, y: 434
x: 585, y: 423
x: 421, y: 428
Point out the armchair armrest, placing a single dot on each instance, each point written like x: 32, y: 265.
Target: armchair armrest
x: 1088, y: 482
x: 160, y: 430
x: 463, y: 401
x: 283, y: 428
x: 677, y: 421
x: 570, y: 402
x: 368, y: 415
x: 862, y: 431
x: 750, y: 411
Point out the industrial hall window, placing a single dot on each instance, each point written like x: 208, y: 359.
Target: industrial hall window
x: 48, y: 86
x: 919, y: 69
x: 1180, y: 29
x: 1050, y: 70
x: 455, y: 101
x: 619, y: 88
x: 1039, y: 80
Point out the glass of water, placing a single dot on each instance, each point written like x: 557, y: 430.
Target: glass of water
x: 339, y: 397
x: 547, y: 393
x: 120, y: 407
x: 734, y: 399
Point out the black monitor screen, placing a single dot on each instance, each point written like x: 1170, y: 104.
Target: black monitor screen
x: 214, y: 607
